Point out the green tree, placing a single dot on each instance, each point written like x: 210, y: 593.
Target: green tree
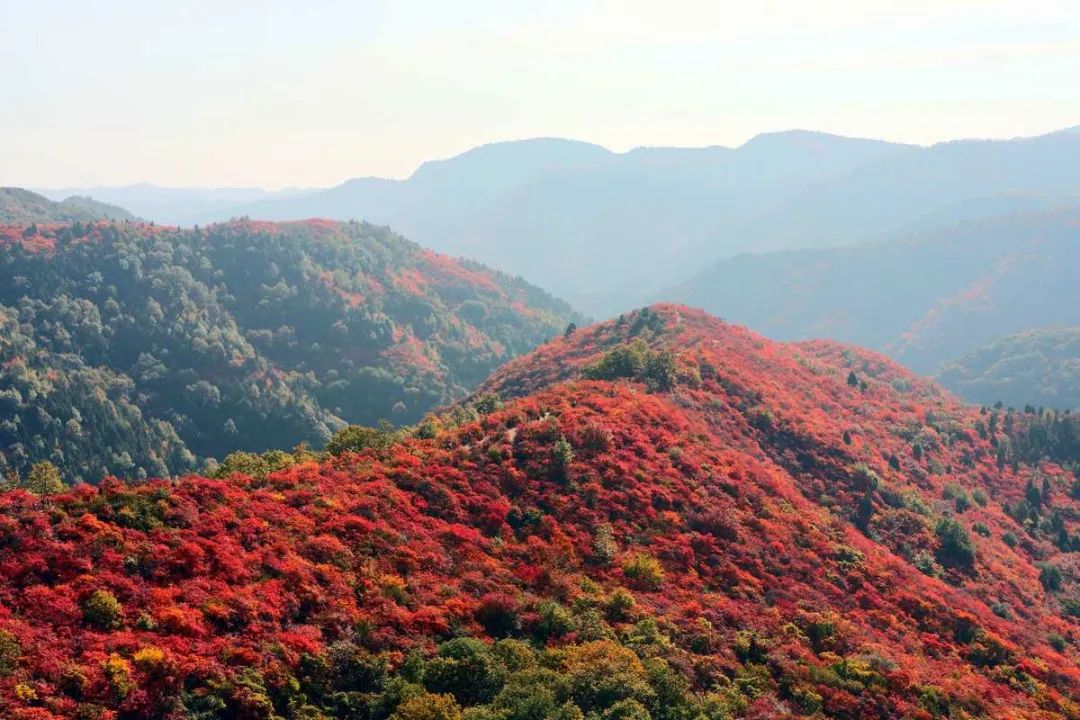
x: 102, y: 610
x: 604, y: 546
x: 1050, y: 577
x: 357, y: 438
x: 644, y: 570
x: 466, y: 669
x: 10, y: 479
x: 487, y: 403
x: 44, y: 479
x: 660, y: 373
x: 529, y: 695
x: 601, y: 673
x: 562, y: 454
x: 10, y: 652
x: 955, y: 548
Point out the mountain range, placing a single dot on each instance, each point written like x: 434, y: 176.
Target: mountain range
x: 661, y: 517
x: 175, y: 205
x: 925, y: 298
x: 608, y: 230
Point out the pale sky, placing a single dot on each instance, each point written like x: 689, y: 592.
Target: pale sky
x: 277, y: 93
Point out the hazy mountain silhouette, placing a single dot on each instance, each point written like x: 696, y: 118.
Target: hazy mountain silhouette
x: 924, y: 298
x: 175, y: 206
x: 595, y: 224
x: 19, y: 206
x: 609, y: 230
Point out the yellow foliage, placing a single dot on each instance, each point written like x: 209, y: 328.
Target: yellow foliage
x: 428, y: 706
x: 149, y: 659
x: 117, y: 671
x: 645, y: 570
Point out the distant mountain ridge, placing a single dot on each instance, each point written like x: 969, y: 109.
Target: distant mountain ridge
x: 23, y: 207
x: 174, y: 206
x: 925, y: 298
x: 610, y: 230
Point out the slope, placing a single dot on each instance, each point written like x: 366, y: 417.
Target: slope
x: 238, y: 336
x: 925, y: 298
x: 22, y: 207
x: 1035, y: 367
x: 665, y: 517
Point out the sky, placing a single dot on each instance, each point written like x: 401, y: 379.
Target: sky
x: 276, y: 93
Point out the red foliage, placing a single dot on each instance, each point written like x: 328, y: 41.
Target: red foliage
x: 737, y: 482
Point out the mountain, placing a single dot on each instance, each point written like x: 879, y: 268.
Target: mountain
x: 18, y: 206
x: 578, y: 219
x: 1035, y: 367
x: 889, y: 192
x: 663, y: 517
x: 176, y: 206
x: 439, y: 190
x: 142, y: 349
x: 608, y: 230
x: 925, y: 298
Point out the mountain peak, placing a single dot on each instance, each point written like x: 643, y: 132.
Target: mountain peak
x: 794, y: 140
x: 670, y: 328
x: 516, y: 157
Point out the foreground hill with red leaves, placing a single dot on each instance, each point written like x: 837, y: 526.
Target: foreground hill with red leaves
x: 664, y: 516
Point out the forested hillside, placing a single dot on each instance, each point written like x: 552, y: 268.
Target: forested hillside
x: 18, y: 206
x: 139, y: 350
x: 1039, y: 367
x: 925, y: 298
x: 662, y: 517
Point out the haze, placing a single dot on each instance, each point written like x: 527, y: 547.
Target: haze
x: 278, y: 94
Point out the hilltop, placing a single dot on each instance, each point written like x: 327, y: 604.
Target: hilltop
x: 147, y: 350
x: 22, y: 207
x: 662, y: 516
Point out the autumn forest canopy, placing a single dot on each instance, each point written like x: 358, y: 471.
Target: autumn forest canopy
x: 660, y: 516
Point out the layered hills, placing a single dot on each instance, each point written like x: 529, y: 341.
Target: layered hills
x: 608, y: 230
x: 926, y: 297
x: 661, y: 516
x: 147, y: 350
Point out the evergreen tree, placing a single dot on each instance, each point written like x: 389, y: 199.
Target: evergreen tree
x: 44, y: 479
